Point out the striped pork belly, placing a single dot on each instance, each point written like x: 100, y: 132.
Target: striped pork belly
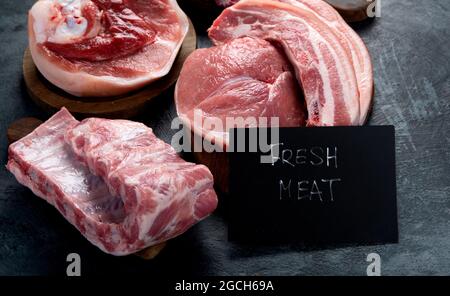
x: 352, y: 43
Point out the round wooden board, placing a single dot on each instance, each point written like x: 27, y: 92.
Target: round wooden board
x: 51, y: 98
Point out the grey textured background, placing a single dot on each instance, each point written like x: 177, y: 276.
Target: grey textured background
x: 410, y: 50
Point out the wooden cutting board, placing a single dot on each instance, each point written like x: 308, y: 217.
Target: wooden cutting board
x: 51, y: 98
x: 23, y: 127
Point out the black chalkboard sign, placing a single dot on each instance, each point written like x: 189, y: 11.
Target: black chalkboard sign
x: 322, y: 185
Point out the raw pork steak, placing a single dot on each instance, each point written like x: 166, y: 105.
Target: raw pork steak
x: 245, y: 77
x: 322, y: 64
x: 44, y: 162
x: 105, y: 47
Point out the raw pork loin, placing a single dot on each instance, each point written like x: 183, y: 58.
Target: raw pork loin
x: 150, y: 203
x: 245, y: 78
x: 105, y: 47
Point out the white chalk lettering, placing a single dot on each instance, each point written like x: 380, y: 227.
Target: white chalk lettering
x: 330, y: 181
x: 302, y: 189
x: 334, y: 156
x: 315, y: 152
x: 283, y: 188
x: 321, y: 190
x: 315, y: 191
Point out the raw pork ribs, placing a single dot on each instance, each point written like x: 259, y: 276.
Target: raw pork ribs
x: 153, y: 194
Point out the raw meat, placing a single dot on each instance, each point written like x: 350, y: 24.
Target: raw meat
x: 163, y: 195
x: 105, y: 47
x: 322, y: 65
x: 245, y: 77
x: 352, y: 44
x: 44, y: 162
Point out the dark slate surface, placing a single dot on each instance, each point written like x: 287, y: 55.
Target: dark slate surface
x: 410, y: 49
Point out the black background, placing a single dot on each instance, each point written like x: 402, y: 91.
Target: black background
x: 361, y: 209
x: 409, y: 45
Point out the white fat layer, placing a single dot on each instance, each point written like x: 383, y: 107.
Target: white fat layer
x: 165, y: 43
x: 242, y: 29
x: 59, y: 21
x: 42, y: 11
x: 327, y: 110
